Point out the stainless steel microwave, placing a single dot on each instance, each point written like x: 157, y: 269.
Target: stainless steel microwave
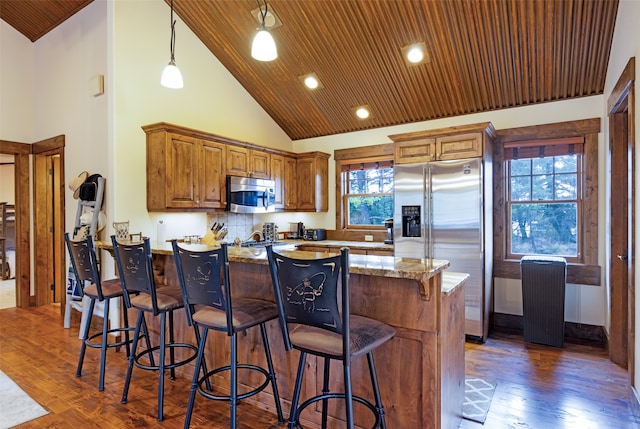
x: 249, y: 195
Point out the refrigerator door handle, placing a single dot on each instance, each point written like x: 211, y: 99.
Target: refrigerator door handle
x: 427, y: 211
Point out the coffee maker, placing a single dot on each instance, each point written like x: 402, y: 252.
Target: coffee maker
x: 388, y: 223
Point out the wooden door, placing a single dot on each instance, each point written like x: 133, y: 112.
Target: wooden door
x: 622, y: 214
x: 48, y: 222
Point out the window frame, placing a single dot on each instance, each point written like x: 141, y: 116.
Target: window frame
x: 579, y: 201
x: 347, y: 167
x: 586, y: 272
x: 360, y: 154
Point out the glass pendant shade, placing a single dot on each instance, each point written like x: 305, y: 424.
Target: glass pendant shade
x: 171, y: 77
x: 264, y: 47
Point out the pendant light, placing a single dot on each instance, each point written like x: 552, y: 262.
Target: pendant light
x: 263, y: 47
x: 171, y: 76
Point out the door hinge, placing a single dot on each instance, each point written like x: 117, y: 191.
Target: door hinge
x: 52, y: 287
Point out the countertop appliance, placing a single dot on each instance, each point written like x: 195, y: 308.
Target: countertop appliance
x: 311, y: 234
x: 249, y: 195
x: 439, y: 213
x: 388, y: 223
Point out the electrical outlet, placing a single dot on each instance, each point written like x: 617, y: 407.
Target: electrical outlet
x: 368, y: 238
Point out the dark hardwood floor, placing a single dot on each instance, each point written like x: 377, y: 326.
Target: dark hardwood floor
x: 537, y: 386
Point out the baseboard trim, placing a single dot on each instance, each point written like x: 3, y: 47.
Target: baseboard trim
x: 578, y: 331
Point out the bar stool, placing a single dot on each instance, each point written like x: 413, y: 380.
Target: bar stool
x: 133, y: 260
x: 85, y: 267
x: 312, y: 296
x: 205, y: 282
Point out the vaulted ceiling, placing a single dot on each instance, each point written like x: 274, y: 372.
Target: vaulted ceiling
x: 484, y: 55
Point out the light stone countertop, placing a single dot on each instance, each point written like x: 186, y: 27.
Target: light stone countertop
x: 383, y: 266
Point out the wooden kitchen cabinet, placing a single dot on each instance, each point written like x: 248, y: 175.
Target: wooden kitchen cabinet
x: 242, y: 161
x: 290, y: 183
x: 313, y: 181
x: 418, y: 150
x: 467, y: 141
x: 277, y: 175
x: 213, y: 192
x: 187, y: 169
x: 459, y: 146
x: 184, y: 172
x: 284, y: 174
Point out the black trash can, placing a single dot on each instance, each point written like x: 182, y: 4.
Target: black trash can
x: 543, y: 286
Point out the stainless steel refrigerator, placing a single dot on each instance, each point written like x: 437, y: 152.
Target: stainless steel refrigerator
x: 440, y: 213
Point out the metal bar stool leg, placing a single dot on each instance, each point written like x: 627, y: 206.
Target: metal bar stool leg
x: 194, y: 380
x: 325, y: 391
x: 348, y: 396
x: 85, y: 335
x: 147, y: 340
x: 272, y: 373
x: 204, y: 363
x: 234, y: 379
x: 163, y: 327
x: 125, y: 318
x: 376, y: 390
x: 132, y: 357
x: 172, y: 351
x: 103, y: 349
x: 293, y: 415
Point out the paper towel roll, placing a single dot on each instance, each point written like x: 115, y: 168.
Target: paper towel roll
x: 160, y: 237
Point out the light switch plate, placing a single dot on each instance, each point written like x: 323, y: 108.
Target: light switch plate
x: 96, y: 85
x: 368, y: 238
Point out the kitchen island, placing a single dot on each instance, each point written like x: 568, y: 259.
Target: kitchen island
x: 421, y: 370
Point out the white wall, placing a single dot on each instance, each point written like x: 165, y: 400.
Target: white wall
x: 211, y: 100
x: 65, y: 60
x: 16, y: 85
x: 626, y: 44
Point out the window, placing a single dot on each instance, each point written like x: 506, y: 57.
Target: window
x: 367, y: 193
x: 544, y: 198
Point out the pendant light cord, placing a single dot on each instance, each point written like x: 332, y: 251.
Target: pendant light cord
x: 172, y: 43
x: 263, y: 14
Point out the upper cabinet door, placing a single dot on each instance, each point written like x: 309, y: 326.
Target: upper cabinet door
x: 277, y: 175
x: 237, y: 161
x: 212, y: 175
x: 420, y: 150
x: 290, y: 184
x: 459, y: 146
x: 260, y: 164
x: 313, y: 173
x: 182, y: 172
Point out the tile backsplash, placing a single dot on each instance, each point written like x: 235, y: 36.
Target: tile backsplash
x: 238, y: 224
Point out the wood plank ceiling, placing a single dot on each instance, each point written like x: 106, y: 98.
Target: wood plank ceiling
x: 484, y: 55
x: 35, y: 18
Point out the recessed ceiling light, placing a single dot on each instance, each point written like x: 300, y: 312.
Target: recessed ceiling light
x: 362, y: 112
x: 271, y: 20
x: 311, y: 81
x: 415, y: 54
